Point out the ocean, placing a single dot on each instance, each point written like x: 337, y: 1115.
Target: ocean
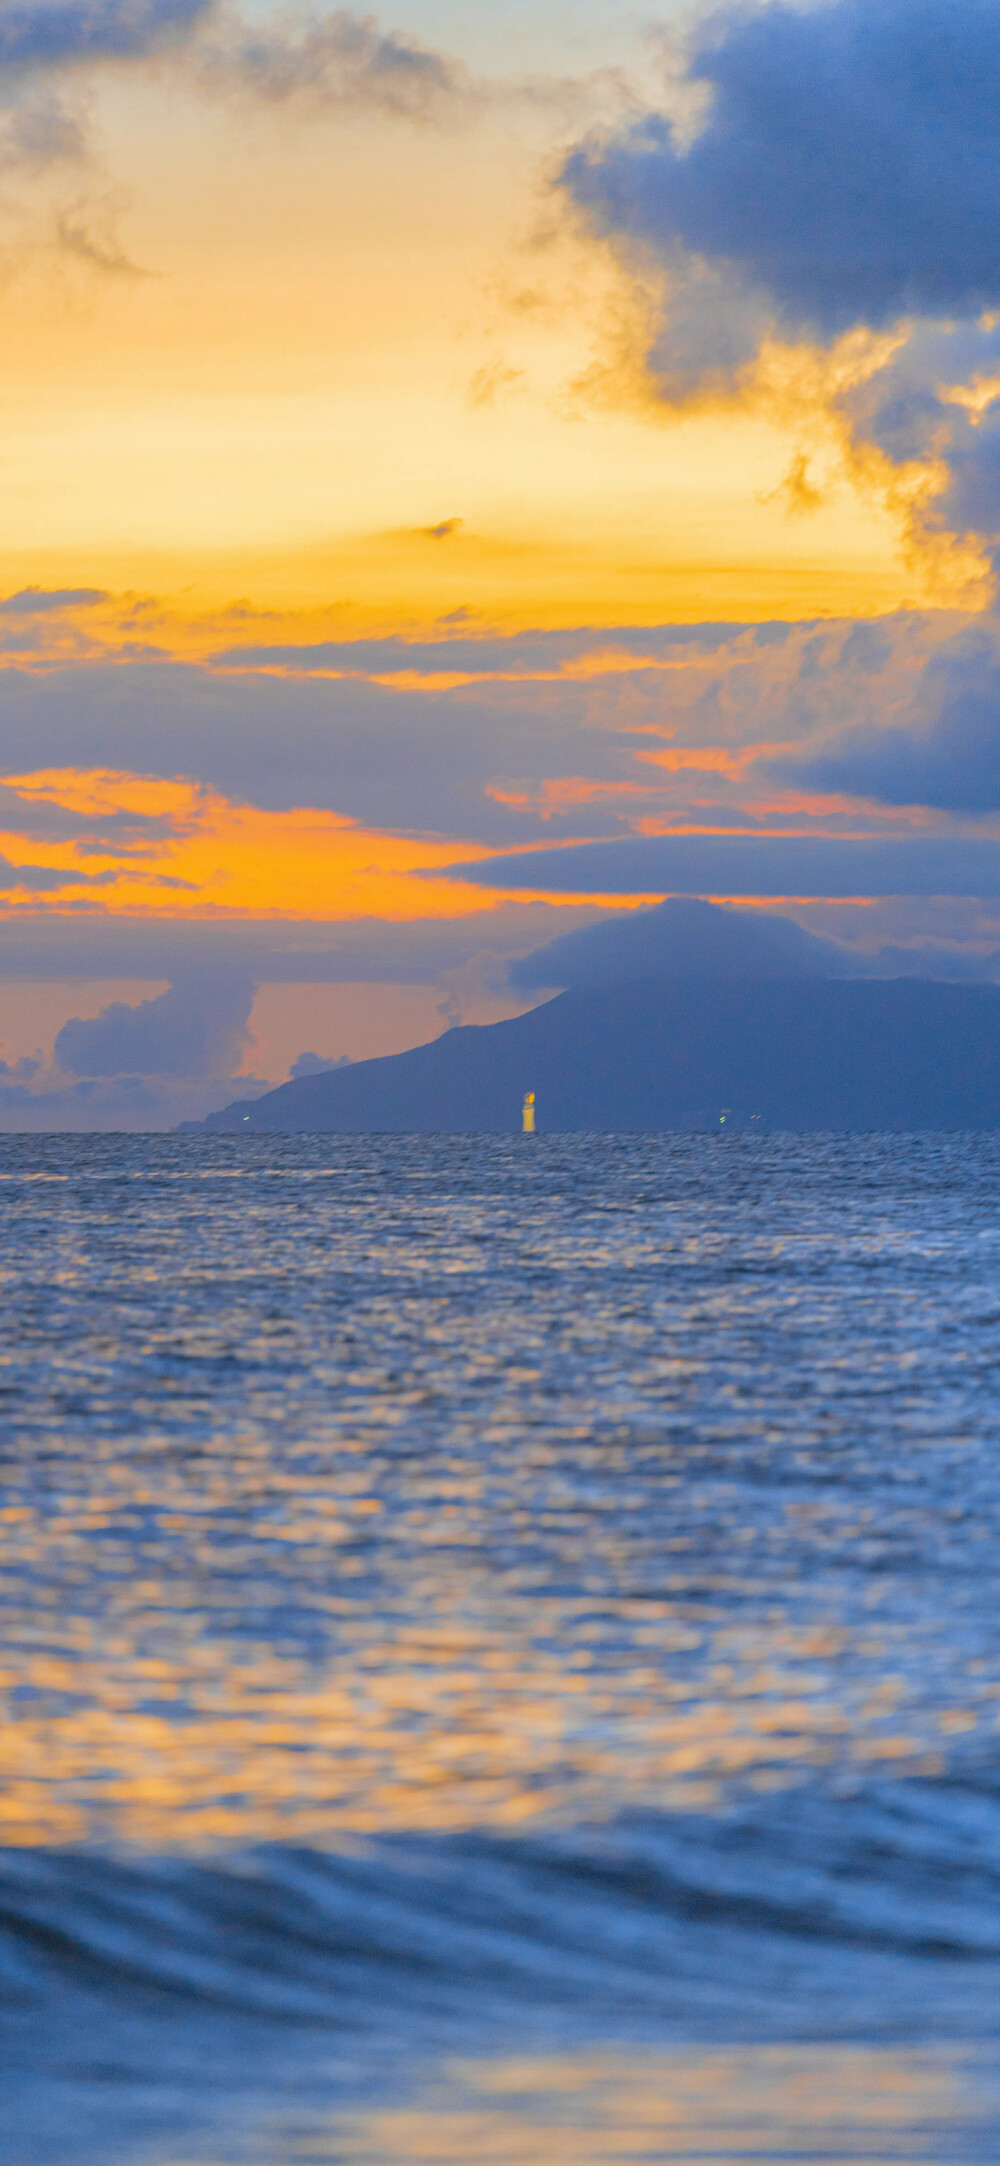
x: 500, y: 1650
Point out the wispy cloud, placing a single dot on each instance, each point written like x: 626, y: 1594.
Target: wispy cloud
x: 38, y: 130
x: 443, y: 531
x: 344, y: 63
x: 706, y: 865
x: 337, y: 62
x: 86, y: 230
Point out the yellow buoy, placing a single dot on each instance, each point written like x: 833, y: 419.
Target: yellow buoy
x: 528, y: 1114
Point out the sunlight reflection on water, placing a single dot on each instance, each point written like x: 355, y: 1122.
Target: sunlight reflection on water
x: 844, y: 2106
x: 459, y: 1604
x: 390, y: 1482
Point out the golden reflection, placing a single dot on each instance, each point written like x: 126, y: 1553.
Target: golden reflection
x: 153, y: 1730
x: 233, y: 1646
x: 834, y: 2103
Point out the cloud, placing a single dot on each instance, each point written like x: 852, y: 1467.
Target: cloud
x: 42, y: 820
x: 115, y: 1104
x: 847, y: 169
x: 954, y: 767
x: 47, y: 879
x: 316, y: 1064
x: 951, y: 763
x: 338, y: 62
x: 86, y: 230
x: 272, y: 951
x: 749, y: 865
x: 796, y: 493
x: 693, y: 738
x: 526, y: 754
x: 63, y: 33
x: 197, y: 1028
x: 845, y: 180
x: 935, y: 406
x: 44, y: 126
x: 419, y: 762
x: 502, y: 654
x: 335, y: 62
x: 37, y: 130
x: 39, y: 601
x: 346, y: 64
x: 686, y: 938
x: 683, y: 937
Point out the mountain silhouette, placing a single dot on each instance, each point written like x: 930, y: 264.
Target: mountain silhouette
x: 678, y: 1052
x: 685, y: 937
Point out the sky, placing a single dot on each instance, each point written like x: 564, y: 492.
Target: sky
x: 467, y: 473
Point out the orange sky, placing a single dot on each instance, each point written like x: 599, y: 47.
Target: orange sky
x: 266, y: 356
x: 291, y: 368
x: 228, y: 859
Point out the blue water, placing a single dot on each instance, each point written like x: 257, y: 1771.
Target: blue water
x: 500, y: 1650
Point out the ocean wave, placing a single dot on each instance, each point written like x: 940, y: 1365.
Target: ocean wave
x: 754, y: 1917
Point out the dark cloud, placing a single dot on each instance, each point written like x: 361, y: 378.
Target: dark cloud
x: 197, y: 1028
x: 848, y: 170
x: 521, y: 755
x: 503, y: 653
x: 683, y: 938
x: 750, y: 865
x: 847, y: 174
x: 273, y: 951
x: 538, y: 756
x: 59, y: 33
x: 954, y: 765
x: 421, y: 762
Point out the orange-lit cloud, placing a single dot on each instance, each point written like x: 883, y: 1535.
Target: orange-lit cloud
x: 235, y: 860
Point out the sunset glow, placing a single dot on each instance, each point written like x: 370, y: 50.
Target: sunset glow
x: 388, y: 485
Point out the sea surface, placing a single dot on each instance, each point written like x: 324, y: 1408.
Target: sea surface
x: 499, y: 1650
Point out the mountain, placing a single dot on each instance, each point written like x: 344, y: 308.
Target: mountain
x: 665, y: 1053
x: 686, y: 938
